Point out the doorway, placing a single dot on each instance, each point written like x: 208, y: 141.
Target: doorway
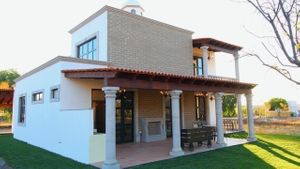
x: 168, y: 115
x: 124, y: 117
x: 124, y: 114
x: 200, y: 109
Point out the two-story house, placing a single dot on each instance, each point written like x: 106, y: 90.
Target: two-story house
x: 130, y: 79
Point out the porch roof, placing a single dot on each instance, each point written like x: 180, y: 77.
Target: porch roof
x: 141, y: 79
x: 216, y: 45
x: 6, y: 97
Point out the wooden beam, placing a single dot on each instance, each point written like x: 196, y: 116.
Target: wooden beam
x: 158, y: 85
x: 214, y: 47
x: 92, y: 75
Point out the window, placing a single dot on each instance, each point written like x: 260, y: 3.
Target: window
x: 133, y: 11
x: 87, y: 50
x: 54, y: 94
x: 200, y: 108
x: 198, y: 66
x: 22, y: 109
x: 38, y: 97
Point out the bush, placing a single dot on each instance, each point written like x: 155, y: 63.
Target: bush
x: 6, y: 115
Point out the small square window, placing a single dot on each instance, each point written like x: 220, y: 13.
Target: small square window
x: 54, y: 94
x: 38, y: 97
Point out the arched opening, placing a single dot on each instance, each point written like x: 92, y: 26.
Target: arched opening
x: 133, y: 11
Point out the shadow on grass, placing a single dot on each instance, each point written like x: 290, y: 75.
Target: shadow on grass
x: 20, y: 155
x: 236, y: 157
x: 268, y: 146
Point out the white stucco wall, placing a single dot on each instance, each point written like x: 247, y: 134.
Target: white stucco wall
x: 212, y: 113
x: 293, y: 106
x: 212, y: 65
x: 64, y: 131
x: 96, y: 27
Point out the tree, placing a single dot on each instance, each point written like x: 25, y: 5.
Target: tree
x: 283, y: 46
x: 9, y: 76
x: 229, y: 106
x: 278, y: 105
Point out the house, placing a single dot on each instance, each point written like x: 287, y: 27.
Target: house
x: 293, y: 107
x: 130, y: 79
x: 6, y: 99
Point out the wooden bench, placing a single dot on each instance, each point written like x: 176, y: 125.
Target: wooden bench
x: 197, y: 135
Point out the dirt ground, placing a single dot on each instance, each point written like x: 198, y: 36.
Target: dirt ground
x: 277, y: 126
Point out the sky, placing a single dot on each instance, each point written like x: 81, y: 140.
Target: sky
x: 34, y: 31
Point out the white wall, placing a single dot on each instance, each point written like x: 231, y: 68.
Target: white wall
x: 96, y: 27
x: 212, y: 112
x: 212, y: 65
x: 76, y: 93
x: 65, y: 132
x: 293, y: 107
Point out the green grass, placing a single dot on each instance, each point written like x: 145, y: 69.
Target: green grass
x: 20, y: 155
x: 270, y: 151
x: 240, y: 135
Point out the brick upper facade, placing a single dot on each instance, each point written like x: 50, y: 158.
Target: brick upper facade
x: 140, y: 43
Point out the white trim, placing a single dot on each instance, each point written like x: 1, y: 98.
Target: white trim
x: 61, y: 59
x: 125, y: 13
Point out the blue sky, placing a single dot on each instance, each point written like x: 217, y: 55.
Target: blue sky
x: 34, y: 31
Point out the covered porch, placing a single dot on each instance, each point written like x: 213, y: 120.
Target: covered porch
x: 132, y: 154
x: 175, y: 87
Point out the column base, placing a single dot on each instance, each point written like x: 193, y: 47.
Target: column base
x: 114, y: 165
x: 251, y: 139
x: 176, y: 153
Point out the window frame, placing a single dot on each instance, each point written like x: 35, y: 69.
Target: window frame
x: 196, y: 66
x: 87, y: 41
x: 57, y: 87
x: 38, y: 101
x: 197, y: 108
x: 22, y: 123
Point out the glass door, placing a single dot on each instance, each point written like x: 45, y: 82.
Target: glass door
x: 124, y: 117
x: 200, y: 109
x: 168, y: 115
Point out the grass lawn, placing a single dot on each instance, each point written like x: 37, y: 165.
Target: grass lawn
x: 20, y: 155
x: 271, y: 151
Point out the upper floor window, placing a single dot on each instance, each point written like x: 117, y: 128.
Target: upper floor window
x: 87, y: 50
x: 38, y: 97
x: 133, y: 11
x: 198, y: 66
x: 22, y: 108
